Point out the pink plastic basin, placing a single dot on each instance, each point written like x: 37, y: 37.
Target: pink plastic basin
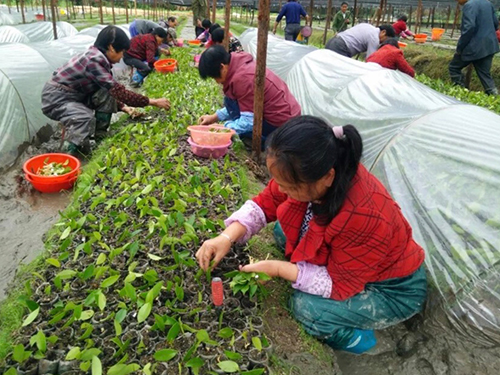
x: 205, y: 151
x: 202, y: 135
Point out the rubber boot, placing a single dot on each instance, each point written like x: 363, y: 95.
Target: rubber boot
x: 103, y: 120
x: 137, y: 79
x: 361, y: 342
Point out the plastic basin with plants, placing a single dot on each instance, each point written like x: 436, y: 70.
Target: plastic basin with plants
x: 194, y: 43
x: 206, y: 151
x: 166, y: 65
x: 51, y: 173
x: 420, y: 38
x: 211, y: 135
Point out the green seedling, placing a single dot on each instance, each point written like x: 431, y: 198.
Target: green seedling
x: 248, y: 282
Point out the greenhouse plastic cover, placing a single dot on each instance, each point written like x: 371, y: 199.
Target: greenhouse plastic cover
x: 15, y: 17
x: 24, y: 70
x: 438, y: 157
x: 35, y: 32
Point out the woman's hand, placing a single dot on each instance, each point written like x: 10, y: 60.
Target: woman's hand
x: 274, y: 268
x: 208, y: 119
x: 214, y: 249
x: 160, y: 103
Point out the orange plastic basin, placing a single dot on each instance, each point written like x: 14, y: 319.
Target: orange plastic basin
x: 194, y: 43
x: 51, y: 184
x: 166, y: 65
x: 202, y: 135
x: 402, y: 45
x: 437, y: 34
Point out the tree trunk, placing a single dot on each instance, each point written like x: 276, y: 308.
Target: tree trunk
x: 380, y: 7
x: 328, y: 20
x: 227, y: 22
x: 457, y: 13
x: 447, y: 18
x: 22, y: 11
x: 355, y: 12
x: 409, y: 17
x: 260, y: 77
x: 311, y: 11
x: 100, y: 12
x: 113, y: 11
x: 53, y: 11
x: 214, y: 10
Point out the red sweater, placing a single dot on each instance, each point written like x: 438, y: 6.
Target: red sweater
x: 279, y: 103
x: 368, y: 241
x: 399, y: 27
x: 391, y: 57
x: 144, y: 47
x: 498, y: 35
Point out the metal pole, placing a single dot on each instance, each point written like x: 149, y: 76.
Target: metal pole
x: 53, y: 10
x: 328, y: 20
x: 227, y: 22
x: 260, y: 76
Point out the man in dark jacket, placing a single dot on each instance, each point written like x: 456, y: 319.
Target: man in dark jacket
x: 477, y: 43
x: 236, y: 73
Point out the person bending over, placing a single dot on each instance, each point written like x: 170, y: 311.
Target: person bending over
x: 390, y: 56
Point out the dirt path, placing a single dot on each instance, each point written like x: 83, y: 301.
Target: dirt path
x: 25, y: 216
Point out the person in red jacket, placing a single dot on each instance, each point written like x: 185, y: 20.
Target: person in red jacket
x: 401, y: 28
x: 390, y: 56
x: 350, y: 252
x: 236, y: 73
x: 144, y: 50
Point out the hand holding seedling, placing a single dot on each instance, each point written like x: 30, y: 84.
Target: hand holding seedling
x: 160, y: 103
x: 208, y: 119
x: 274, y: 268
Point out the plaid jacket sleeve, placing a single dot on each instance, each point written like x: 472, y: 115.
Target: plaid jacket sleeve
x: 360, y: 241
x: 269, y: 200
x: 97, y: 73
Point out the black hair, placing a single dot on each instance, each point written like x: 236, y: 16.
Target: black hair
x: 171, y: 19
x: 218, y: 35
x: 389, y: 30
x: 391, y: 41
x: 214, y: 26
x: 112, y: 35
x: 402, y: 17
x: 206, y: 23
x: 305, y: 149
x: 211, y: 60
x: 344, y: 3
x: 161, y: 32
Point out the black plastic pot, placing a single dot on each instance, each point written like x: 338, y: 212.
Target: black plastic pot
x: 258, y: 358
x: 66, y: 367
x: 255, y: 322
x: 46, y: 366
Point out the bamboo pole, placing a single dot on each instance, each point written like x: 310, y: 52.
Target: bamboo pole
x: 43, y: 11
x: 328, y: 20
x: 73, y: 7
x: 113, y: 11
x: 214, y: 10
x: 90, y: 10
x: 53, y: 11
x: 457, y: 12
x: 432, y: 19
x: 227, y: 23
x: 100, y: 12
x: 22, y: 11
x: 429, y: 17
x: 125, y: 2
x: 447, y: 18
x: 311, y: 11
x: 260, y: 77
x: 355, y: 13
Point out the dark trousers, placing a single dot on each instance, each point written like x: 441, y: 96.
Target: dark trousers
x: 483, y: 70
x: 337, y: 44
x: 233, y: 109
x: 292, y: 31
x: 143, y: 68
x: 198, y: 30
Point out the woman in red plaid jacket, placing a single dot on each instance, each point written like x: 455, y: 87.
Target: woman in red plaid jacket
x: 350, y: 252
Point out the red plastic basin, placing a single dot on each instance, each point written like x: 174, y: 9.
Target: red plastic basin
x: 205, y: 151
x: 202, y: 135
x: 51, y: 184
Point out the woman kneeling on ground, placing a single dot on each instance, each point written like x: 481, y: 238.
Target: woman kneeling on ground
x: 85, y: 84
x: 351, y: 255
x: 390, y: 56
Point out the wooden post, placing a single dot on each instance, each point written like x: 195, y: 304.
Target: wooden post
x: 419, y: 16
x: 380, y: 7
x: 113, y: 11
x: 457, y: 12
x: 260, y: 77
x: 389, y: 15
x: 432, y: 19
x: 100, y: 12
x: 125, y: 2
x: 90, y: 8
x: 253, y: 13
x: 447, y: 18
x: 328, y: 20
x: 409, y: 16
x: 227, y: 22
x: 214, y: 10
x: 354, y: 12
x: 53, y: 11
x: 22, y: 11
x: 311, y: 10
x: 43, y: 11
x: 73, y: 7
x: 429, y: 17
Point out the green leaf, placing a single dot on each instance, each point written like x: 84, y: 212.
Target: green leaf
x: 147, y: 189
x: 147, y: 369
x: 118, y: 327
x: 54, y: 262
x: 101, y: 301
x: 202, y: 335
x: 228, y: 366
x: 101, y: 259
x: 255, y: 371
x: 87, y: 355
x: 165, y: 355
x: 66, y: 274
x: 195, y: 363
x: 120, y: 315
x: 225, y: 333
x: 18, y: 353
x: 173, y: 332
x: 232, y: 355
x: 66, y: 233
x: 11, y: 371
x: 109, y: 281
x: 179, y: 292
x: 121, y: 369
x: 41, y: 341
x: 144, y: 312
x: 154, y: 257
x: 96, y: 366
x: 31, y: 317
x: 74, y: 353
x: 257, y: 343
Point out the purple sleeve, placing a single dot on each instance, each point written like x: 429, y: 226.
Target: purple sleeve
x: 281, y: 13
x: 303, y: 11
x: 251, y: 216
x: 313, y: 279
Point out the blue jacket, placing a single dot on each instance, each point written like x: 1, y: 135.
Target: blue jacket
x: 478, y: 28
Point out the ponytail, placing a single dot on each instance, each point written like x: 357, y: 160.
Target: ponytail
x: 306, y: 148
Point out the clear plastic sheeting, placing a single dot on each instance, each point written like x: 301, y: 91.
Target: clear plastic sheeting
x: 439, y: 158
x: 35, y: 32
x: 14, y: 17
